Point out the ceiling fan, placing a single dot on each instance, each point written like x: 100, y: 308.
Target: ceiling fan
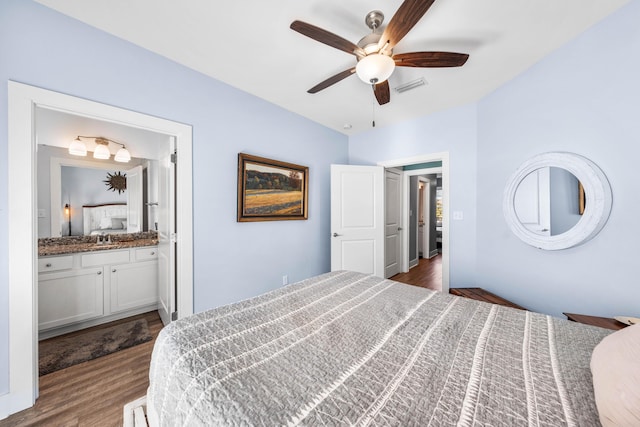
x: 374, y: 52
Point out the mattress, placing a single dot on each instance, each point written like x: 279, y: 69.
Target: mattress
x: 347, y: 348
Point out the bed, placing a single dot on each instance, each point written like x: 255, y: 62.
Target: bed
x: 104, y: 219
x: 345, y: 348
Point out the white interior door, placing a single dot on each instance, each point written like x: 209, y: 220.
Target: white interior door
x: 532, y: 202
x: 392, y: 227
x: 134, y: 200
x: 166, y: 234
x: 357, y: 219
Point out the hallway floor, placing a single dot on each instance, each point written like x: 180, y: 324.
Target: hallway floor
x: 427, y: 274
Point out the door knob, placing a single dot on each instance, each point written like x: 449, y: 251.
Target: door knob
x: 336, y: 234
x: 399, y: 228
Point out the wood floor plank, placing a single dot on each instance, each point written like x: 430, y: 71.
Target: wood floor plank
x: 92, y: 393
x: 427, y: 274
x: 480, y: 294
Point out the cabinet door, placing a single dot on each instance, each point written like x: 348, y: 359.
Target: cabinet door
x: 69, y: 297
x: 134, y: 285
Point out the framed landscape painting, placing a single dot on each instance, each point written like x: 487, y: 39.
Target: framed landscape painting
x: 270, y: 190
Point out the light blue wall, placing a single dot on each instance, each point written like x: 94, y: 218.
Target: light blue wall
x: 232, y: 261
x: 583, y: 98
x: 453, y: 131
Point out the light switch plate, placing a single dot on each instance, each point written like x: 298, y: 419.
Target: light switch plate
x: 458, y: 215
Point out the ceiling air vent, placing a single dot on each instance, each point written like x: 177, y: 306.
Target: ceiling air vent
x: 411, y: 85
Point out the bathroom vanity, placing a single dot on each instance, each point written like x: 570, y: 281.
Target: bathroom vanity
x: 82, y: 283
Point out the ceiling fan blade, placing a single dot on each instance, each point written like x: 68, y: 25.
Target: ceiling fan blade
x: 407, y: 15
x: 382, y: 93
x: 332, y: 80
x: 430, y: 59
x: 324, y: 36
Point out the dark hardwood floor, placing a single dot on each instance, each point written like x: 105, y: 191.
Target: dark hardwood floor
x: 427, y: 274
x: 92, y: 393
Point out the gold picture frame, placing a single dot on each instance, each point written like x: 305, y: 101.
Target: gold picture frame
x: 271, y: 190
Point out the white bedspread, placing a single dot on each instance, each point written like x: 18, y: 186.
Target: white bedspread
x: 350, y: 349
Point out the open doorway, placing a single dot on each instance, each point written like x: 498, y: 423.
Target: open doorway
x: 424, y: 250
x: 23, y: 273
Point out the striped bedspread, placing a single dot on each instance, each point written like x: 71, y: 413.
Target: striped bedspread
x: 350, y: 349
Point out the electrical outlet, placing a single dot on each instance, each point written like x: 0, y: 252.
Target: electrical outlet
x: 285, y: 280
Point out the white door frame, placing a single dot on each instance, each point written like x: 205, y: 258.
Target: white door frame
x: 426, y: 158
x: 22, y: 188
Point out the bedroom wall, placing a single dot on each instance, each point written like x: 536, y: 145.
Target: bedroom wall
x: 583, y: 98
x: 232, y: 261
x: 454, y: 131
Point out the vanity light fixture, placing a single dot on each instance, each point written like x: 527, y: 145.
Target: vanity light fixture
x: 78, y: 148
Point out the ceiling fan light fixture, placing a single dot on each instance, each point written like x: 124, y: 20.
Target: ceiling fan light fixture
x: 375, y: 68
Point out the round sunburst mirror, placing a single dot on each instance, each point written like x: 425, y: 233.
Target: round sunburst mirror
x: 116, y: 181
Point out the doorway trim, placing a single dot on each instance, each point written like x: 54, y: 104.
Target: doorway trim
x: 22, y: 186
x: 426, y: 158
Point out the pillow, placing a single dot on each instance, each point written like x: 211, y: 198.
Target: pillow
x: 105, y: 223
x: 615, y: 366
x: 116, y: 223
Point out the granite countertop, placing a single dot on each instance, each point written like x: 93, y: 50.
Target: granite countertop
x: 76, y: 244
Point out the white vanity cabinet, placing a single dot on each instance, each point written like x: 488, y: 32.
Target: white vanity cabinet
x: 144, y: 273
x: 85, y: 289
x: 70, y: 296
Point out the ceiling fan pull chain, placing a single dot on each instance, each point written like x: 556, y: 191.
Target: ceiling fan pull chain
x: 373, y: 107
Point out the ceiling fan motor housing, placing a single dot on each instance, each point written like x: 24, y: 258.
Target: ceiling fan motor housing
x: 374, y: 19
x: 369, y: 43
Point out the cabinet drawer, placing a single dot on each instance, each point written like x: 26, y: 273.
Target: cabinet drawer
x: 146, y: 253
x: 102, y: 258
x: 54, y: 263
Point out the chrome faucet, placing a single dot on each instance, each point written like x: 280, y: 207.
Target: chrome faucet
x: 103, y: 239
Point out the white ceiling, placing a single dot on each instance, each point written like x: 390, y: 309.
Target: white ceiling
x: 248, y: 44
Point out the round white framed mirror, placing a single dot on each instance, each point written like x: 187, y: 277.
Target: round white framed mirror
x: 554, y: 189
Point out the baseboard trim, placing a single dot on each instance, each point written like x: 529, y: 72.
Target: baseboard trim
x: 4, y: 406
x: 10, y: 403
x: 413, y: 262
x: 433, y: 253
